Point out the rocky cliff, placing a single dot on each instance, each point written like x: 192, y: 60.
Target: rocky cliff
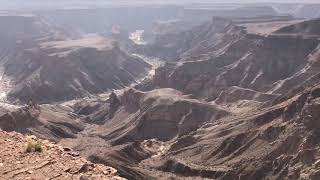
x: 73, y: 68
x: 248, y: 61
x: 231, y: 104
x: 177, y: 45
x: 46, y: 67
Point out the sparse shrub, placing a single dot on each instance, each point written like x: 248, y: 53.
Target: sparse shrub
x: 38, y: 147
x: 30, y: 147
x: 34, y: 147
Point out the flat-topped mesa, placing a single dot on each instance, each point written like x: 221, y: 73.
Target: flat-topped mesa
x: 65, y: 47
x: 306, y: 29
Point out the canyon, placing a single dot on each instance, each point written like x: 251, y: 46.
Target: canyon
x: 234, y: 95
x: 46, y: 67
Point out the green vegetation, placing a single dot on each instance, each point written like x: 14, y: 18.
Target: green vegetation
x: 34, y: 147
x: 38, y: 147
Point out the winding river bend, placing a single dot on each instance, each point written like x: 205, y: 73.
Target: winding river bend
x: 137, y: 38
x: 154, y: 62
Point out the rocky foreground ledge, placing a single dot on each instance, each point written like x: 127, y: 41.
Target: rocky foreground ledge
x: 53, y: 162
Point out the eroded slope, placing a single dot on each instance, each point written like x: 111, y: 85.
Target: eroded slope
x: 54, y: 162
x: 42, y: 64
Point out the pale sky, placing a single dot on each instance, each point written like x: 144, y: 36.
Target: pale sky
x: 156, y: 1
x: 83, y: 3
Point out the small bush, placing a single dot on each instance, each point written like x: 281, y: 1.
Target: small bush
x: 34, y: 147
x: 38, y: 147
x: 30, y: 147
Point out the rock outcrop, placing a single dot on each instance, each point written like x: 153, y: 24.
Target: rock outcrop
x: 46, y: 121
x: 53, y: 162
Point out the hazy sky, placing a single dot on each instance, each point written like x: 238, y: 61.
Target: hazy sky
x: 156, y: 1
x: 83, y: 3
